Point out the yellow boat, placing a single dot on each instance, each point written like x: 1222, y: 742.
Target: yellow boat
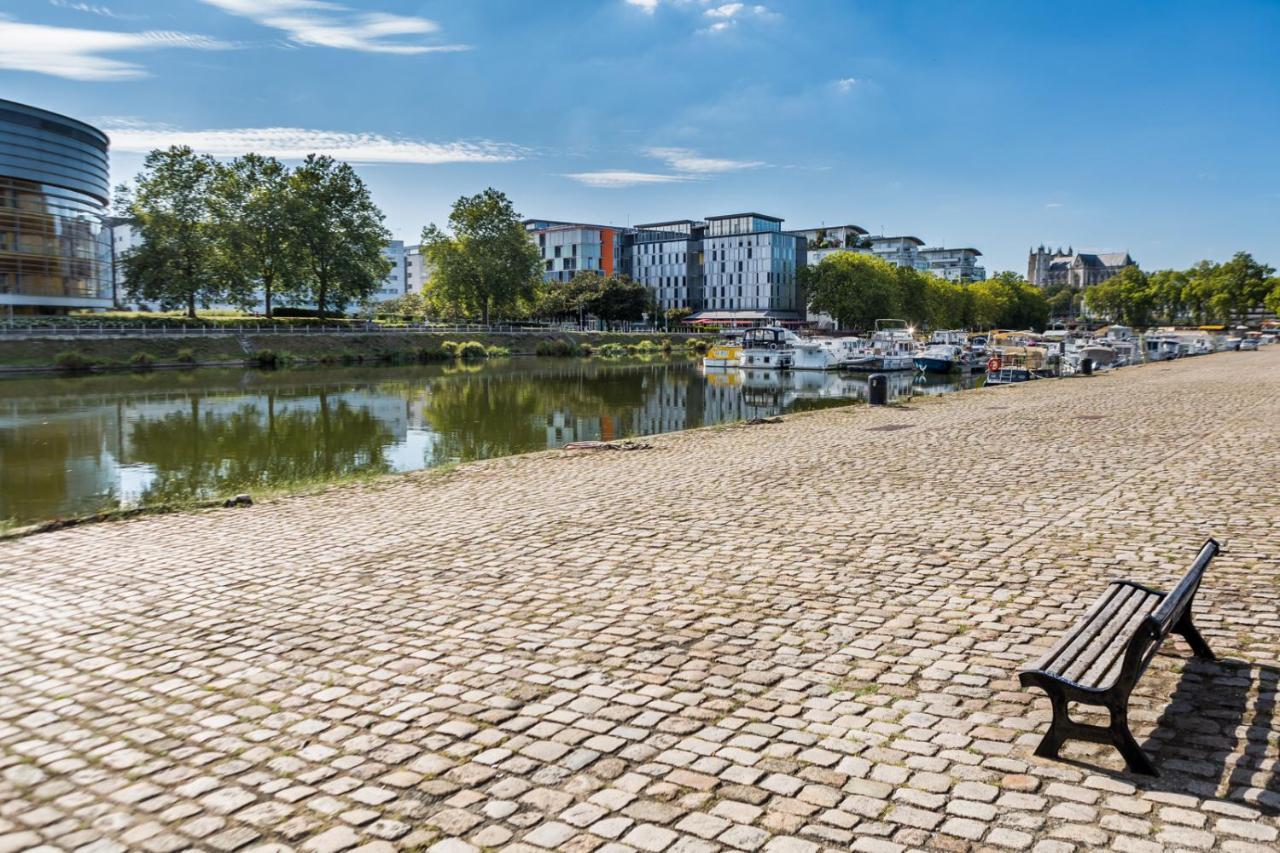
x: 722, y: 355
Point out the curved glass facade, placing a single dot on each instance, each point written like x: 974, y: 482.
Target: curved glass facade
x: 55, y: 246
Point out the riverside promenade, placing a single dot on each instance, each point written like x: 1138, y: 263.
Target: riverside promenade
x: 784, y: 637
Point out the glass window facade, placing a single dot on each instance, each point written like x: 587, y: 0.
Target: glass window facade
x: 55, y: 246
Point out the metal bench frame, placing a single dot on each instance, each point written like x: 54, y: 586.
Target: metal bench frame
x: 1171, y: 616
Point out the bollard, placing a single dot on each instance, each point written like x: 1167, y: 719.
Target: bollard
x: 1086, y: 366
x: 878, y: 389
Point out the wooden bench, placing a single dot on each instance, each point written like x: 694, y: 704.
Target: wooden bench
x: 1101, y: 658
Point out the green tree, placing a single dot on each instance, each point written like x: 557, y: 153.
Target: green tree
x: 338, y: 231
x: 253, y: 216
x: 1272, y: 300
x: 558, y: 300
x: 1240, y: 286
x: 675, y: 316
x: 949, y: 304
x: 174, y: 263
x: 1197, y: 294
x: 1167, y: 294
x: 1007, y: 301
x: 1127, y: 297
x: 913, y: 303
x: 621, y: 300
x: 488, y: 265
x: 855, y: 289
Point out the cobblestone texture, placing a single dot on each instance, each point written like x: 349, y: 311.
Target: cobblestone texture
x: 786, y: 637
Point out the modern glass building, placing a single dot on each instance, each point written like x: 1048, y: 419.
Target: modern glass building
x: 55, y: 247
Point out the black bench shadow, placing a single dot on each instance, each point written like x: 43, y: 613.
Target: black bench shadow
x: 1214, y: 737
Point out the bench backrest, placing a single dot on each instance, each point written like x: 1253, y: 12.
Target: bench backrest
x: 1178, y: 599
x: 1156, y: 627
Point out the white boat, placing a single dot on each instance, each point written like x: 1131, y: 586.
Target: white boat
x: 814, y: 354
x: 892, y: 347
x: 958, y: 337
x: 1099, y: 353
x: 1161, y: 346
x: 1127, y: 349
x: 767, y: 346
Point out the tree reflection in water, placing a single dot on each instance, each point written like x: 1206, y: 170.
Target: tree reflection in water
x: 270, y: 440
x: 77, y: 445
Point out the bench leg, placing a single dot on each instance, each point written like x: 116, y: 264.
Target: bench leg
x: 1134, y: 757
x: 1187, y: 629
x: 1057, y: 734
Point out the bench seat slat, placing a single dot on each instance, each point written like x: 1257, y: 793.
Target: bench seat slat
x: 1102, y: 637
x: 1111, y: 658
x: 1065, y: 650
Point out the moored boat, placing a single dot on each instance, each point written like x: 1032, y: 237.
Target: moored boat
x: 722, y: 354
x: 767, y: 346
x: 941, y: 358
x: 892, y: 347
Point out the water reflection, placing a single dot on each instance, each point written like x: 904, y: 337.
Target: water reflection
x: 71, y: 446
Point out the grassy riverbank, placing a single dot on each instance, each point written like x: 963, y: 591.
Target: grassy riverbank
x: 232, y: 349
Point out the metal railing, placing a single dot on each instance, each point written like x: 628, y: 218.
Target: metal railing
x: 122, y: 330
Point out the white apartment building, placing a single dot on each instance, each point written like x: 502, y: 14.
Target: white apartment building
x: 416, y: 269
x: 953, y: 264
x: 827, y: 237
x: 393, y: 286
x: 900, y: 251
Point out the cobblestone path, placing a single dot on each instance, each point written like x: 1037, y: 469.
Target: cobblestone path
x: 784, y: 637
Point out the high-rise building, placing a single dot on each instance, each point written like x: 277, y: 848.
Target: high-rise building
x: 749, y: 269
x: 667, y: 258
x: 55, y: 247
x: 1076, y: 269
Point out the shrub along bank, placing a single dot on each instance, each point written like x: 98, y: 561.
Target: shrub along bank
x: 272, y: 350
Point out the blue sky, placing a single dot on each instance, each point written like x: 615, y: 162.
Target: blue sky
x: 1147, y: 126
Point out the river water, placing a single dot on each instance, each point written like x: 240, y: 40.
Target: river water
x: 72, y: 446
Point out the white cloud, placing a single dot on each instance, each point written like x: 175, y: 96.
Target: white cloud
x: 723, y: 16
x: 845, y: 85
x: 727, y: 15
x: 728, y: 10
x: 1053, y: 204
x: 685, y: 160
x: 320, y: 23
x: 77, y: 54
x: 617, y: 179
x: 295, y: 143
x: 91, y: 9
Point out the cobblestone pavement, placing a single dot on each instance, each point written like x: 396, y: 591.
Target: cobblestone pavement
x: 783, y: 637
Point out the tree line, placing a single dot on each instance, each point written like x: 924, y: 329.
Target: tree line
x: 1206, y: 293
x: 231, y: 232
x: 857, y: 289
